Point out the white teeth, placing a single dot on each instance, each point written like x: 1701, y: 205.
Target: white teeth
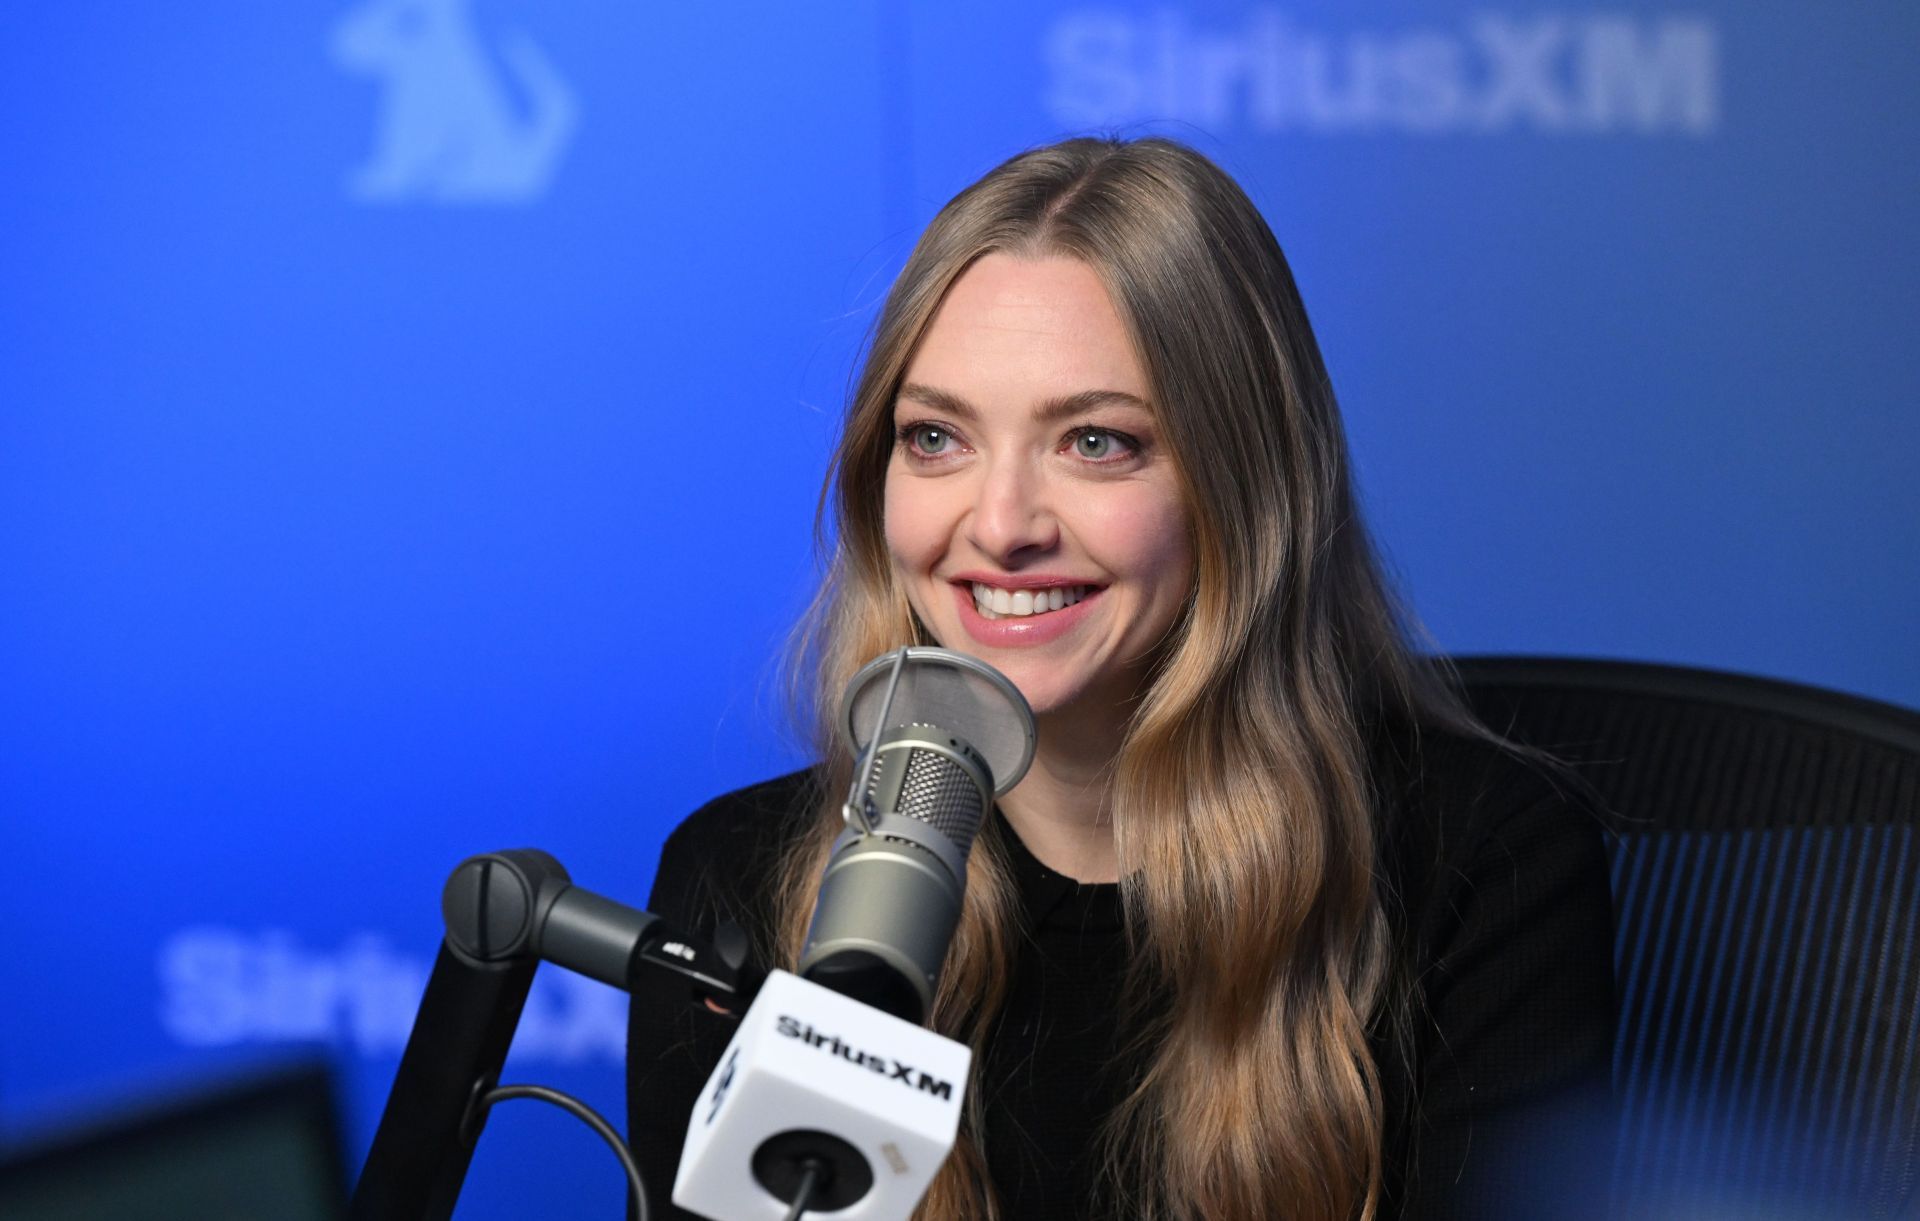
x: 993, y: 603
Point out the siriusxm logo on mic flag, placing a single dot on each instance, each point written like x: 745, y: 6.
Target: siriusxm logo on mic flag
x: 810, y: 1063
x: 794, y: 1028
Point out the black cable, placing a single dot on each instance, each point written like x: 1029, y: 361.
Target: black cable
x: 591, y: 1117
x: 809, y: 1180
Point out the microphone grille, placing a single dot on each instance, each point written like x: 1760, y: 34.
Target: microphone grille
x: 936, y: 790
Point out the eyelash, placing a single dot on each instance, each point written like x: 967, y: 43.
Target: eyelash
x: 904, y: 435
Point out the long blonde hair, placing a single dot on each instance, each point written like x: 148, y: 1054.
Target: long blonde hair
x: 1242, y: 811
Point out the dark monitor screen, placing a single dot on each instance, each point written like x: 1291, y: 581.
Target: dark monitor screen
x: 266, y: 1147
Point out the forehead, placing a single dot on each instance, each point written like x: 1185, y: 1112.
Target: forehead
x: 1014, y: 331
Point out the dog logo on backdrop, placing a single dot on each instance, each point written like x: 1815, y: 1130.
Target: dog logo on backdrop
x: 460, y: 120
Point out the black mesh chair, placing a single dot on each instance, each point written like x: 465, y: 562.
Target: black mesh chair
x: 1766, y: 880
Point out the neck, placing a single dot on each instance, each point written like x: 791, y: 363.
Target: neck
x: 1062, y: 809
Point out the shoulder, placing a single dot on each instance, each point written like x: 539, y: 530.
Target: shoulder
x: 1499, y: 887
x: 1490, y: 851
x: 1465, y: 779
x: 721, y: 860
x: 1453, y: 803
x: 749, y: 816
x: 722, y: 864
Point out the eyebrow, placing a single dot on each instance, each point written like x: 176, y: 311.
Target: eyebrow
x: 1050, y: 411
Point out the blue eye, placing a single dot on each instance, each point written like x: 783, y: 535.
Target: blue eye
x: 1103, y: 445
x: 928, y: 439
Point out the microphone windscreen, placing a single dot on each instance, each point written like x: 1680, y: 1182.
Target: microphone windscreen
x: 962, y: 695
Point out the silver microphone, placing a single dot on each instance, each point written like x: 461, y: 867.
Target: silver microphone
x: 938, y: 735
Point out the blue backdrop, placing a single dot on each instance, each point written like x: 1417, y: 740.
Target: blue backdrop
x: 412, y: 413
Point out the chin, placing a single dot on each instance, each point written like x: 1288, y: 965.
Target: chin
x: 1044, y: 681
x: 1040, y: 689
x: 1042, y: 697
x: 1047, y: 692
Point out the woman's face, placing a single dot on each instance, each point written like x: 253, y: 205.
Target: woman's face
x: 1033, y: 513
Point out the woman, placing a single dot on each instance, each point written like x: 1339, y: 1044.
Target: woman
x: 1270, y: 928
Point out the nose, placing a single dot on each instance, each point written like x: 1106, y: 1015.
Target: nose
x: 1013, y: 517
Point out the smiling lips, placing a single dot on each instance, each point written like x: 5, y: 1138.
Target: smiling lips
x: 995, y: 603
x: 1033, y: 616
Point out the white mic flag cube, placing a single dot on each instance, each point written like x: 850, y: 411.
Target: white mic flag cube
x: 811, y: 1074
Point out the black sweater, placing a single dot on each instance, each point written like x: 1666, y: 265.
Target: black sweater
x: 1496, y: 1103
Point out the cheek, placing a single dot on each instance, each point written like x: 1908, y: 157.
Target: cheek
x: 909, y: 520
x: 1149, y: 538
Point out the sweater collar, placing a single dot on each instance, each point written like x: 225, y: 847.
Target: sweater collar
x: 1053, y: 900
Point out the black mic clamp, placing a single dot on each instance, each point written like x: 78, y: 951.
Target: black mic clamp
x: 505, y: 913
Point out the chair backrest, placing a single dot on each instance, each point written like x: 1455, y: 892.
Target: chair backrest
x: 1766, y: 881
